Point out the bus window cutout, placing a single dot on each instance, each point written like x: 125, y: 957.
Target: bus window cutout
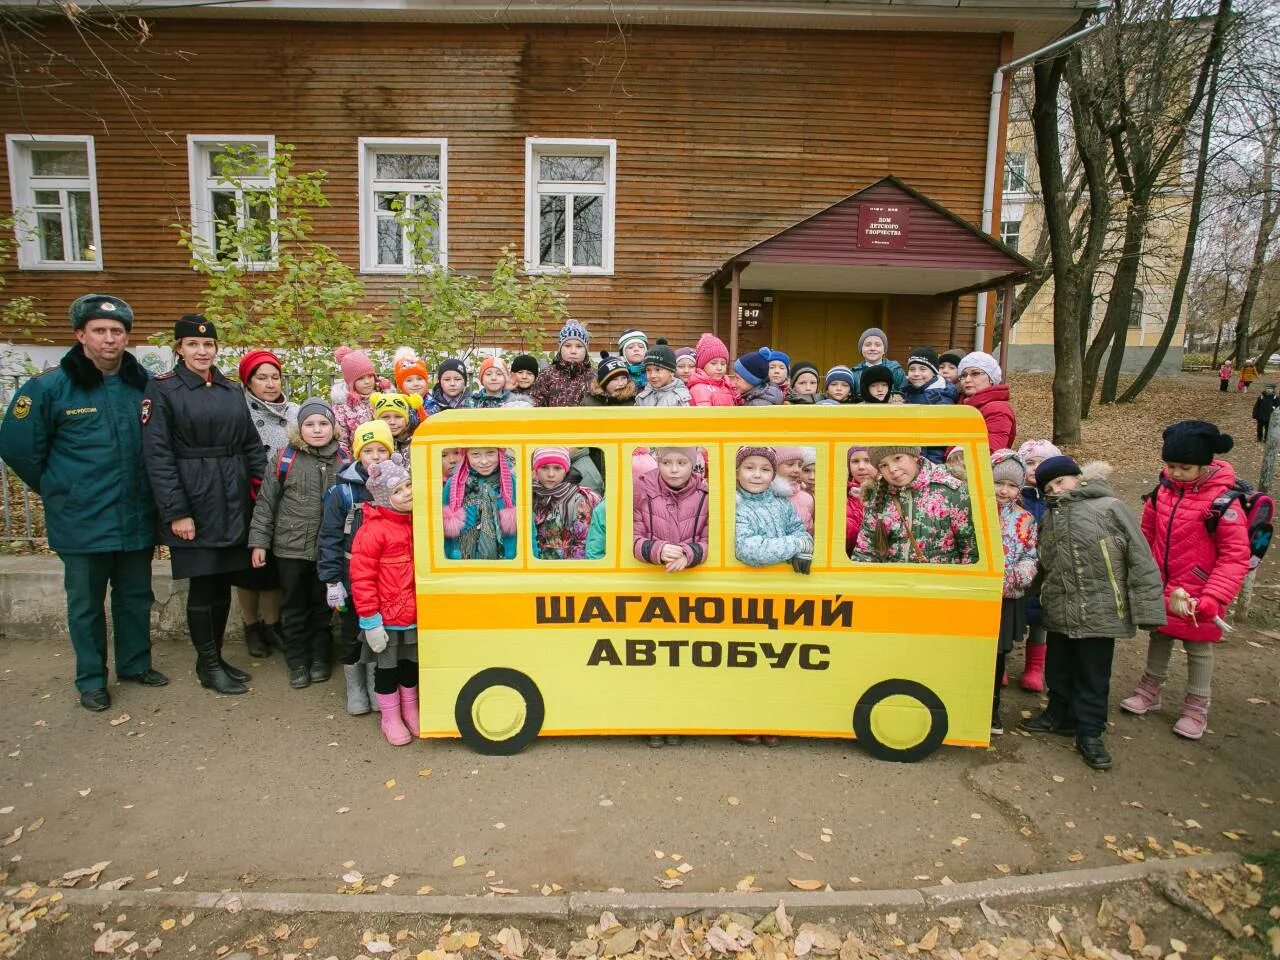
x: 478, y: 514
x: 670, y: 498
x: 569, y: 516
x: 898, y: 655
x: 768, y: 529
x: 908, y: 509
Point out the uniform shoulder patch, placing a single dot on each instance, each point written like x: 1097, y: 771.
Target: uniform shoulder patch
x: 21, y: 407
x: 167, y: 375
x: 146, y: 410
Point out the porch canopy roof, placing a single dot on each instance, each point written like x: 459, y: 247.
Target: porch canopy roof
x: 886, y: 238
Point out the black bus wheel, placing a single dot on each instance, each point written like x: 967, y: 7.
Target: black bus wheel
x: 499, y: 712
x: 900, y: 720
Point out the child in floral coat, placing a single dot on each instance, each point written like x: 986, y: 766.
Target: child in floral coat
x: 350, y: 398
x: 566, y: 524
x: 570, y: 375
x: 1018, y: 537
x: 915, y: 512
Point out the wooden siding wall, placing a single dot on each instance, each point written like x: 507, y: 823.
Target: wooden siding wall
x: 724, y: 138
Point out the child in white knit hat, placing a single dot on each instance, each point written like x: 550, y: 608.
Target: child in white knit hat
x: 1018, y: 537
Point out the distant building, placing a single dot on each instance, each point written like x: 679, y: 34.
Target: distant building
x: 1021, y: 227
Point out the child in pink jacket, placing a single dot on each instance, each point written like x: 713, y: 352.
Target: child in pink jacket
x: 1209, y: 565
x: 710, y: 386
x: 788, y: 483
x: 669, y: 519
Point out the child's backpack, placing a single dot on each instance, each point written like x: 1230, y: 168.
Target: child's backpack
x: 1258, y: 509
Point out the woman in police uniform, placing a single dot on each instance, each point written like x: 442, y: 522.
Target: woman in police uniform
x: 206, y: 461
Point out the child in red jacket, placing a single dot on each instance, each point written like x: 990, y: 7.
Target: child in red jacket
x: 1208, y: 566
x: 382, y: 589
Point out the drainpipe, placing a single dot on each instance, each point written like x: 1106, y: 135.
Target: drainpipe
x: 993, y: 143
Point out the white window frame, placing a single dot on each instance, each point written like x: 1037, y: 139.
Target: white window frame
x: 535, y: 147
x: 1015, y: 176
x: 18, y: 148
x: 1005, y: 232
x: 200, y: 147
x: 369, y: 146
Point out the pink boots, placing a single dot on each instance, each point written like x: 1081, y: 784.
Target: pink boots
x: 1033, y: 669
x: 393, y: 727
x: 1194, y: 719
x: 409, y: 709
x: 1145, y: 698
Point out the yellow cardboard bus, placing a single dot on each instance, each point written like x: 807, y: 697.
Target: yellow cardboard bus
x: 900, y: 656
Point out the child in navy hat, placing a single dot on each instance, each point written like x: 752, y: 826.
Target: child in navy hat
x: 663, y: 388
x: 751, y: 377
x: 1203, y: 565
x: 524, y: 370
x: 614, y: 386
x: 875, y: 385
x: 450, y: 391
x: 925, y: 383
x: 804, y: 383
x: 1098, y: 581
x: 839, y: 384
x: 286, y: 520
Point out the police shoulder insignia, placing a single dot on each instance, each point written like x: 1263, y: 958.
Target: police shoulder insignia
x: 146, y: 409
x: 21, y: 407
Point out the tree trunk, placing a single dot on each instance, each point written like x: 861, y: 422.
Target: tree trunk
x: 1266, y: 227
x: 1115, y: 322
x: 1193, y: 230
x: 1057, y: 215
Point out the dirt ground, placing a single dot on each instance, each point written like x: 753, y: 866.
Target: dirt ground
x: 281, y: 790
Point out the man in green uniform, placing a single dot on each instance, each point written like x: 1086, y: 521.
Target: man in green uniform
x: 74, y: 436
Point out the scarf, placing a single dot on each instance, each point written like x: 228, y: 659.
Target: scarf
x: 561, y: 518
x: 481, y: 540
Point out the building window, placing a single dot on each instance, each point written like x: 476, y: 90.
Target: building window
x: 1135, y: 310
x: 569, y: 190
x: 403, y: 208
x: 1015, y: 172
x: 55, y: 202
x: 1009, y: 232
x: 230, y: 177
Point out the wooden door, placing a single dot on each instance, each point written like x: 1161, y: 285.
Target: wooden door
x: 824, y: 328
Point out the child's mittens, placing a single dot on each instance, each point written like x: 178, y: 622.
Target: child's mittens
x: 376, y: 638
x: 335, y: 596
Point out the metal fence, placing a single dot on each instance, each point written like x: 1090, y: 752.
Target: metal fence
x: 22, y: 518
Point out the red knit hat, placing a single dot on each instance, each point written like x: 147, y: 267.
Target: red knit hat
x: 710, y: 347
x: 252, y: 360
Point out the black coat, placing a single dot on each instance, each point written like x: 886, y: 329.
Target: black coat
x: 1263, y: 407
x: 204, y: 456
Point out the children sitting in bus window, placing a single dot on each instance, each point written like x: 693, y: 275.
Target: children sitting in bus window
x: 450, y: 457
x: 567, y: 525
x: 670, y: 511
x: 915, y: 512
x: 767, y: 529
x: 861, y: 471
x: 479, y: 507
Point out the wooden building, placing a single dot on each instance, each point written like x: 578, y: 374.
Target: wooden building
x: 644, y: 147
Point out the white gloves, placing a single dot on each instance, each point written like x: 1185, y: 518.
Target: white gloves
x: 376, y: 638
x: 335, y: 595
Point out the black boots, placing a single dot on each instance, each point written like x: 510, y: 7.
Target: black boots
x: 1094, y: 752
x: 255, y: 638
x: 1044, y: 723
x: 210, y: 669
